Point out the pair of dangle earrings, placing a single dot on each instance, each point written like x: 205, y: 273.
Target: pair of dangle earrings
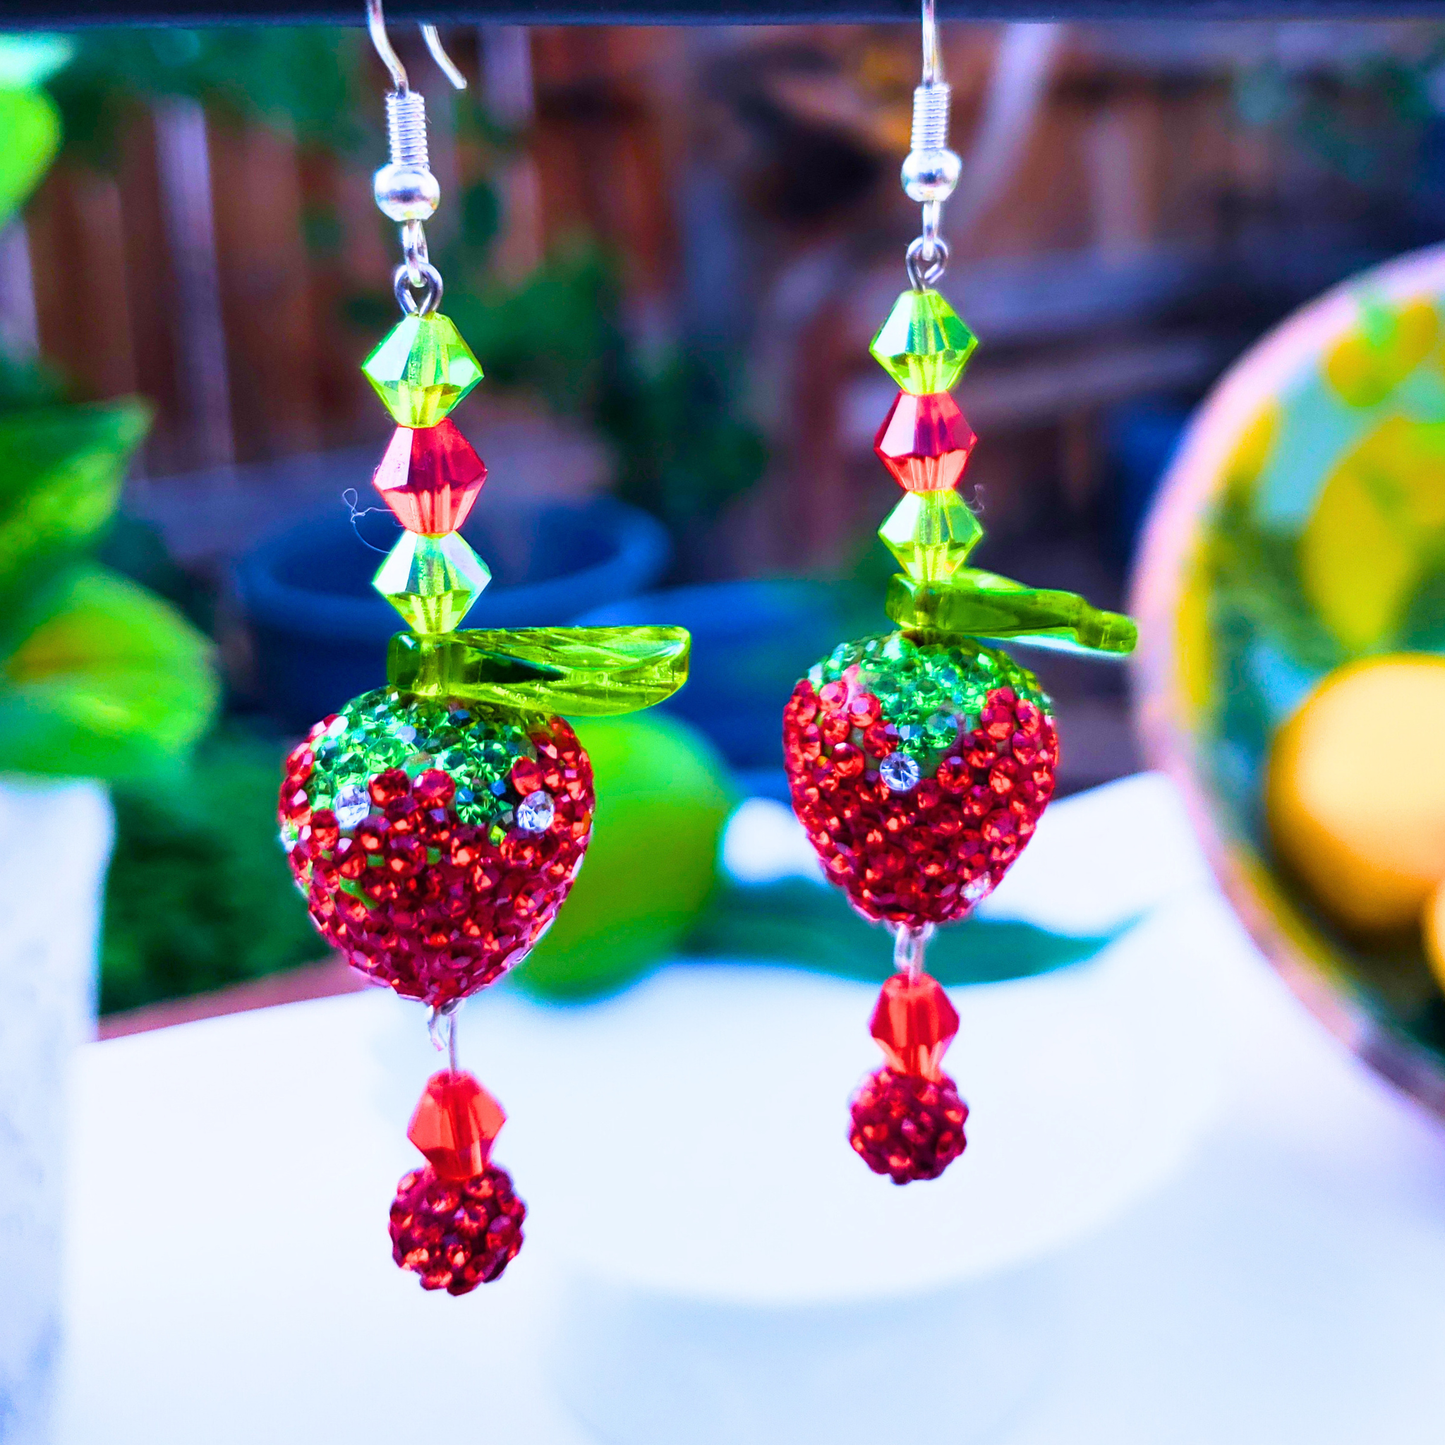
x: 436, y: 825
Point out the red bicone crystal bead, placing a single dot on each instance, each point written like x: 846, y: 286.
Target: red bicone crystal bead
x: 454, y: 1125
x: 430, y: 477
x: 914, y: 1023
x: 924, y: 441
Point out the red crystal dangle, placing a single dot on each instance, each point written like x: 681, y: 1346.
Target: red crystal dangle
x: 456, y: 1222
x: 907, y: 1116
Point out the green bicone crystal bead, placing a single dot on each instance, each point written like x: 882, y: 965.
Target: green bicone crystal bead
x: 931, y: 534
x: 982, y: 604
x: 580, y: 671
x: 432, y: 581
x: 923, y: 345
x: 422, y: 369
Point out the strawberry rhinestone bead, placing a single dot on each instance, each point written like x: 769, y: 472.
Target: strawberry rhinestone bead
x: 906, y: 1126
x: 456, y: 1234
x: 435, y: 842
x: 919, y: 770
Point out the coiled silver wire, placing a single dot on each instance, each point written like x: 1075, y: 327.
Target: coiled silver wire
x: 930, y: 116
x: 406, y: 129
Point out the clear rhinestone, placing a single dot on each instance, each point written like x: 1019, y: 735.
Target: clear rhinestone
x: 900, y: 772
x: 535, y: 812
x: 353, y: 805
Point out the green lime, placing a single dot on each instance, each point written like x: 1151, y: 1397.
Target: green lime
x: 663, y: 797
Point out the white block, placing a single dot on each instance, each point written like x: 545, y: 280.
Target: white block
x: 54, y: 842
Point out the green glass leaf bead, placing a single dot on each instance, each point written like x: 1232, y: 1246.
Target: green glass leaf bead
x: 580, y: 671
x: 931, y: 534
x: 982, y: 604
x: 923, y: 345
x: 422, y: 369
x: 432, y: 581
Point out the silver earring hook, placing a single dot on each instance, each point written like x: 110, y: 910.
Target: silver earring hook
x: 930, y: 170
x: 376, y: 24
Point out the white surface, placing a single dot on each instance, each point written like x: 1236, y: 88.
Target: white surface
x: 1266, y: 1261
x: 724, y: 1090
x: 54, y: 840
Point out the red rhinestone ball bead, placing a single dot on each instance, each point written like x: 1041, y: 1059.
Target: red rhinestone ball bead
x: 906, y: 1126
x: 435, y: 842
x: 920, y: 770
x: 456, y: 1234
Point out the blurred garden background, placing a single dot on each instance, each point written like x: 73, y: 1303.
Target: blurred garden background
x: 669, y: 249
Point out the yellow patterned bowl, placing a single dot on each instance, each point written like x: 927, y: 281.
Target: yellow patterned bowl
x: 1301, y: 530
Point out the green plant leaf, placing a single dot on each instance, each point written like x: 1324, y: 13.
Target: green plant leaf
x: 30, y: 124
x: 798, y: 922
x: 198, y: 895
x: 60, y: 477
x: 109, y: 682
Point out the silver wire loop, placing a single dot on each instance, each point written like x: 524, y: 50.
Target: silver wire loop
x: 909, y: 944
x: 927, y: 260
x: 429, y: 283
x: 434, y: 1018
x: 413, y: 247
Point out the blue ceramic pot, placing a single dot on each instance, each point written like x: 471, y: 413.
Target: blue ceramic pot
x: 319, y: 630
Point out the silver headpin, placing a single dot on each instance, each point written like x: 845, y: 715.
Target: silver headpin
x: 406, y: 191
x: 930, y: 170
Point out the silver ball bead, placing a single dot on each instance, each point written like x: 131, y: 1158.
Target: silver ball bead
x: 930, y: 175
x: 405, y: 193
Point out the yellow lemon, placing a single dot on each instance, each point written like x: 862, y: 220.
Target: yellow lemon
x: 1355, y: 792
x: 1366, y: 366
